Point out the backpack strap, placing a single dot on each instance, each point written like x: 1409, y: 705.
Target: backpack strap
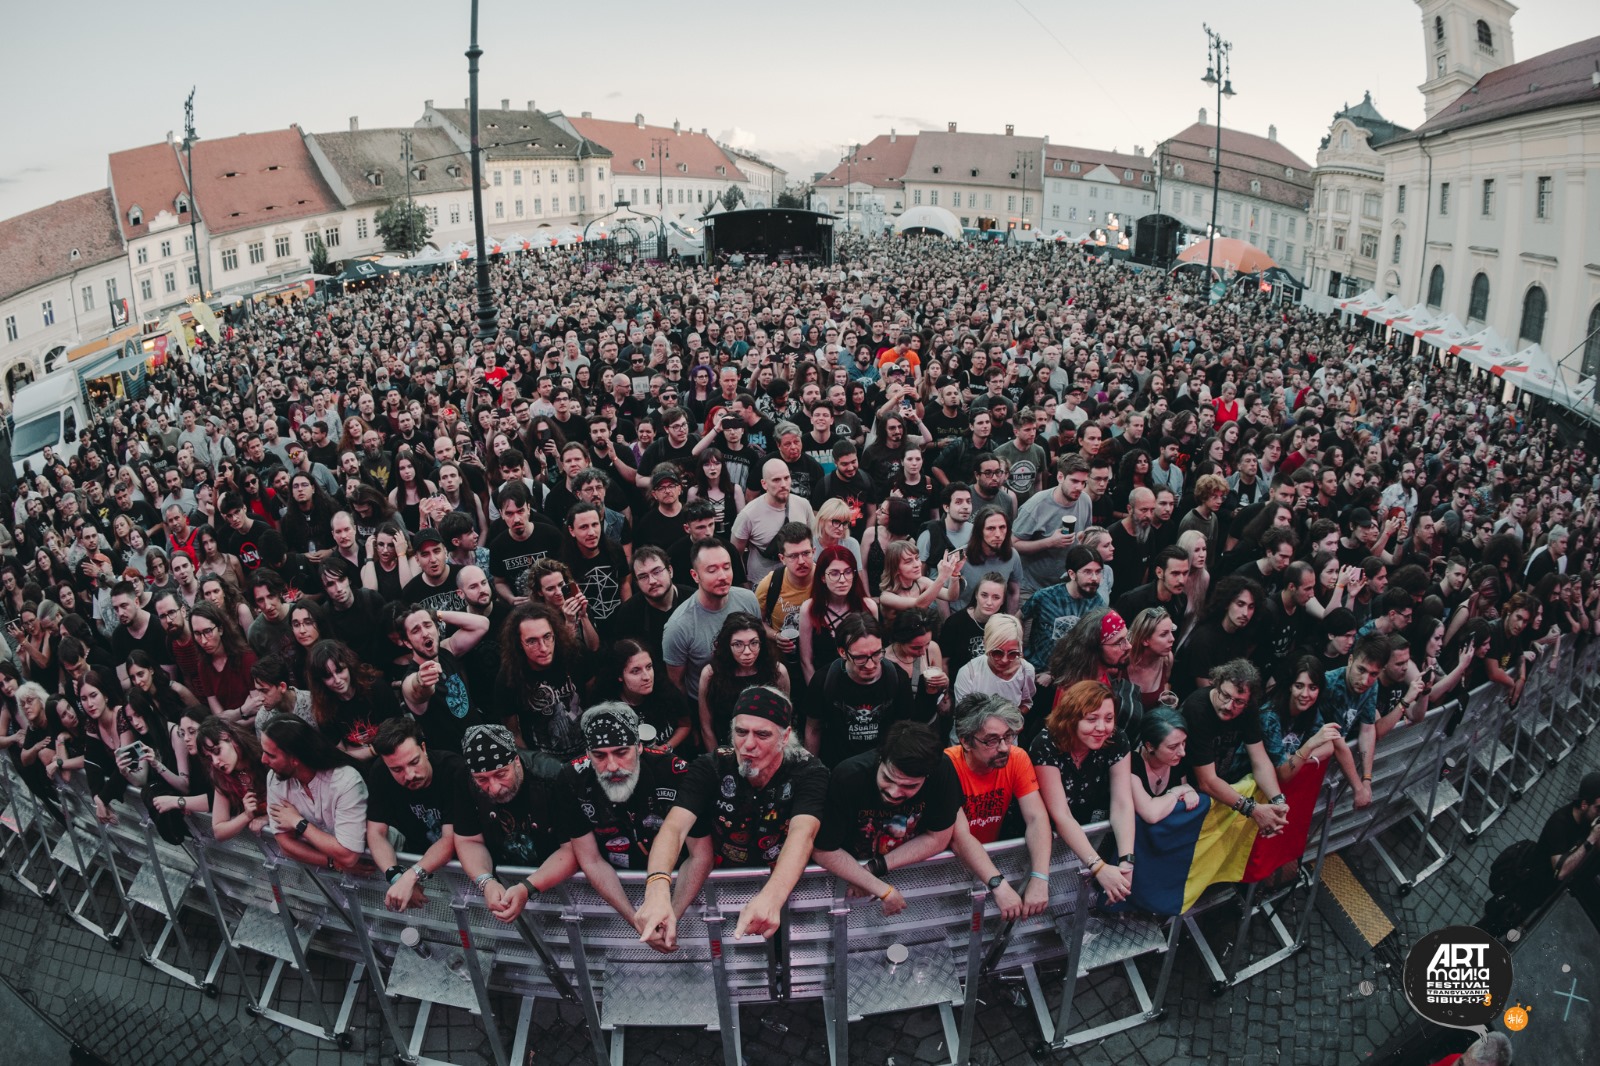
x: 774, y: 587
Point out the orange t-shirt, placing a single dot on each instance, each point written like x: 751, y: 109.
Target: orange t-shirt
x: 887, y: 356
x: 987, y: 797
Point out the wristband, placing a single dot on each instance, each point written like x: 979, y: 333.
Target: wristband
x: 878, y: 866
x: 664, y: 876
x: 1095, y: 869
x: 421, y: 874
x: 1125, y: 860
x: 394, y: 873
x: 1278, y: 800
x: 482, y: 879
x: 1316, y: 760
x: 886, y: 894
x: 300, y: 829
x: 1366, y: 777
x: 1043, y: 877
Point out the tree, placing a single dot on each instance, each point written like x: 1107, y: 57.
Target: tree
x: 732, y: 198
x: 403, y: 227
x: 791, y: 199
x: 319, y: 255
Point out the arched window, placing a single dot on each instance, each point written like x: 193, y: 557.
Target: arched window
x: 1533, y: 308
x: 1591, y: 347
x: 1438, y: 29
x: 1478, y: 306
x: 1436, y: 286
x: 1485, y: 35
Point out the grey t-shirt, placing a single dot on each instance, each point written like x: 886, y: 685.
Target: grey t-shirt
x: 1039, y: 518
x: 759, y: 523
x: 692, y: 631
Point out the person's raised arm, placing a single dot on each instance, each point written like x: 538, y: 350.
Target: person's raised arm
x: 470, y: 628
x: 708, y: 732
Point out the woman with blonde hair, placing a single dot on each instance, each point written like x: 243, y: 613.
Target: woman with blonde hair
x: 832, y: 529
x: 1199, y: 584
x: 1001, y: 670
x: 1098, y: 540
x: 1153, y: 636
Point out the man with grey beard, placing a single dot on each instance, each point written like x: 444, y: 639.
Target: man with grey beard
x: 611, y: 803
x: 1132, y: 547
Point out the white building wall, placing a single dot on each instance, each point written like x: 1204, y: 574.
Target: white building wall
x: 72, y: 319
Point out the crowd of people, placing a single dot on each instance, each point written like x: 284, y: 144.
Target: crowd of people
x: 781, y: 564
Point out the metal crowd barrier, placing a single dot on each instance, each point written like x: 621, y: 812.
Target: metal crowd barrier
x: 834, y: 949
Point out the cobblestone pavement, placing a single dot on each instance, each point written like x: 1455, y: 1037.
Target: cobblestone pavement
x: 1308, y: 1009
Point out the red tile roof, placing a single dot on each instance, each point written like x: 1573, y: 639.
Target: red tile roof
x: 258, y: 178
x: 149, y: 178
x: 39, y: 245
x: 1245, y: 158
x: 689, y: 155
x: 880, y: 163
x: 1558, y: 78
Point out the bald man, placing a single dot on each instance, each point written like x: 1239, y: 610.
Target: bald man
x: 1131, y: 543
x: 755, y: 531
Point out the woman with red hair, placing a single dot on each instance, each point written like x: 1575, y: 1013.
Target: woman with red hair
x: 836, y: 591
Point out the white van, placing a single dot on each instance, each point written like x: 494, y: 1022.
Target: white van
x: 47, y: 414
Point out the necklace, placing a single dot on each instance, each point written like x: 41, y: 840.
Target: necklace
x: 1158, y: 782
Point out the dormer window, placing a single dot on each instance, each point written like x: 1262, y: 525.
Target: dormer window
x: 722, y: 170
x: 375, y: 178
x: 453, y: 169
x: 1177, y: 170
x: 1127, y: 175
x: 683, y: 168
x: 181, y: 203
x: 638, y: 164
x: 1255, y: 187
x: 937, y: 169
x: 1077, y: 168
x: 420, y: 172
x: 74, y: 256
x: 974, y: 171
x: 1056, y: 166
x: 135, y: 216
x: 1288, y: 172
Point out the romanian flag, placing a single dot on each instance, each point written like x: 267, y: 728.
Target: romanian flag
x: 1179, y: 857
x: 1269, y: 853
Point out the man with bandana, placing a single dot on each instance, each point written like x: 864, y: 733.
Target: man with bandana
x: 758, y: 803
x: 515, y: 811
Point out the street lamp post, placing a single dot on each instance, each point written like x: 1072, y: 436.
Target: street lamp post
x: 189, y: 138
x: 1024, y: 164
x: 488, y: 315
x: 658, y: 148
x: 1218, y: 66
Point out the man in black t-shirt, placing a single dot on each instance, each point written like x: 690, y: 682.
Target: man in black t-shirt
x: 246, y: 537
x: 860, y: 697
x: 888, y: 809
x: 436, y: 689
x: 758, y: 803
x: 434, y: 586
x: 521, y: 544
x: 1225, y: 742
x: 1570, y: 838
x: 427, y: 796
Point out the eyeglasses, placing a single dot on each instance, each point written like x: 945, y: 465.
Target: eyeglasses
x: 798, y: 555
x: 202, y: 634
x: 864, y: 658
x: 1232, y: 699
x: 1119, y: 639
x: 745, y: 645
x: 652, y: 573
x: 839, y: 575
x: 1005, y: 656
x: 1008, y: 738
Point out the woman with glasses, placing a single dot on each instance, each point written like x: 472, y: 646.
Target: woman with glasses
x: 1000, y: 670
x: 837, y: 590
x: 1081, y: 760
x: 833, y: 521
x: 259, y: 499
x: 197, y: 797
x: 742, y: 656
x: 1151, y: 640
x: 223, y: 673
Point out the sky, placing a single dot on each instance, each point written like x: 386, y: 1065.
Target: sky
x: 792, y: 82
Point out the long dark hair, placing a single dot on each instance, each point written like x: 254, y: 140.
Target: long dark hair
x: 165, y: 701
x: 1305, y: 664
x: 304, y: 742
x: 233, y: 641
x: 608, y: 684
x: 251, y: 775
x: 976, y: 551
x: 513, y: 660
x: 364, y: 678
x: 725, y: 683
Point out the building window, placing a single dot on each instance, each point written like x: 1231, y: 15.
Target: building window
x: 1197, y: 203
x: 495, y: 179
x: 455, y: 214
x: 933, y: 197
x: 1544, y: 205
x: 1369, y: 246
x: 361, y: 228
x: 169, y: 281
x: 572, y: 203
x: 1488, y: 198
x: 1236, y: 208
x: 1145, y: 178
x: 516, y: 208
x: 1400, y: 200
x: 86, y: 297
x: 166, y: 249
x: 1072, y: 214
x: 111, y: 290
x: 1436, y: 286
x: 1344, y: 138
x: 538, y: 205
x: 572, y: 174
x: 1591, y: 347
x: 1027, y: 206
x: 516, y: 177
x: 1478, y: 305
x: 142, y: 255
x: 1272, y: 222
x: 499, y: 209
x: 1341, y: 201
x: 11, y: 327
x: 1177, y: 171
x: 230, y: 260
x: 146, y: 290
x: 1091, y: 215
x: 1011, y: 203
x: 1438, y: 30
x: 600, y: 173
x: 555, y: 175
x: 1055, y: 210
x: 1338, y: 238
x: 188, y: 242
x: 281, y: 246
x: 1485, y: 36
x: 1444, y: 198
x: 988, y: 200
x: 433, y: 219
x: 1272, y: 246
x: 330, y: 237
x: 1255, y: 218
x: 1056, y: 166
x: 1289, y: 230
x: 1533, y: 308
x: 1394, y: 257
x: 258, y: 252
x: 1370, y: 205
x: 1094, y: 192
x: 1288, y: 252
x: 194, y: 275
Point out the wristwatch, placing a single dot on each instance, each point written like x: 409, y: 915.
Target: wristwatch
x: 421, y: 874
x: 300, y: 829
x: 996, y: 881
x: 1125, y: 860
x: 394, y: 873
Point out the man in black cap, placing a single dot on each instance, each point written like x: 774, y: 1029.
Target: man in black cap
x: 427, y: 797
x: 435, y: 586
x: 758, y: 803
x: 515, y: 809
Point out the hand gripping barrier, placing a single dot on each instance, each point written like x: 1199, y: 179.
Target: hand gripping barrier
x: 836, y: 949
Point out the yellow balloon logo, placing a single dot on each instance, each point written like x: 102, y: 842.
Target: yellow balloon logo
x: 1516, y: 1018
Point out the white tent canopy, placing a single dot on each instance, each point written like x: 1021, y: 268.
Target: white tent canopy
x: 938, y: 219
x: 1359, y: 304
x: 1484, y: 348
x: 1533, y: 370
x: 1446, y: 332
x: 1386, y: 312
x: 1414, y: 320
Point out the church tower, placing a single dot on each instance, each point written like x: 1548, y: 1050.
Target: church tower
x: 1463, y: 40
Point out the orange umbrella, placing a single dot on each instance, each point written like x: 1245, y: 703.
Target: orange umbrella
x: 1231, y: 254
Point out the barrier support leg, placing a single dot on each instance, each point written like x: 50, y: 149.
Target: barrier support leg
x: 293, y: 936
x: 836, y: 1007
x: 1069, y: 980
x: 480, y: 983
x: 228, y: 949
x: 727, y: 1010
x: 585, y: 990
x: 969, y: 997
x: 346, y: 901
